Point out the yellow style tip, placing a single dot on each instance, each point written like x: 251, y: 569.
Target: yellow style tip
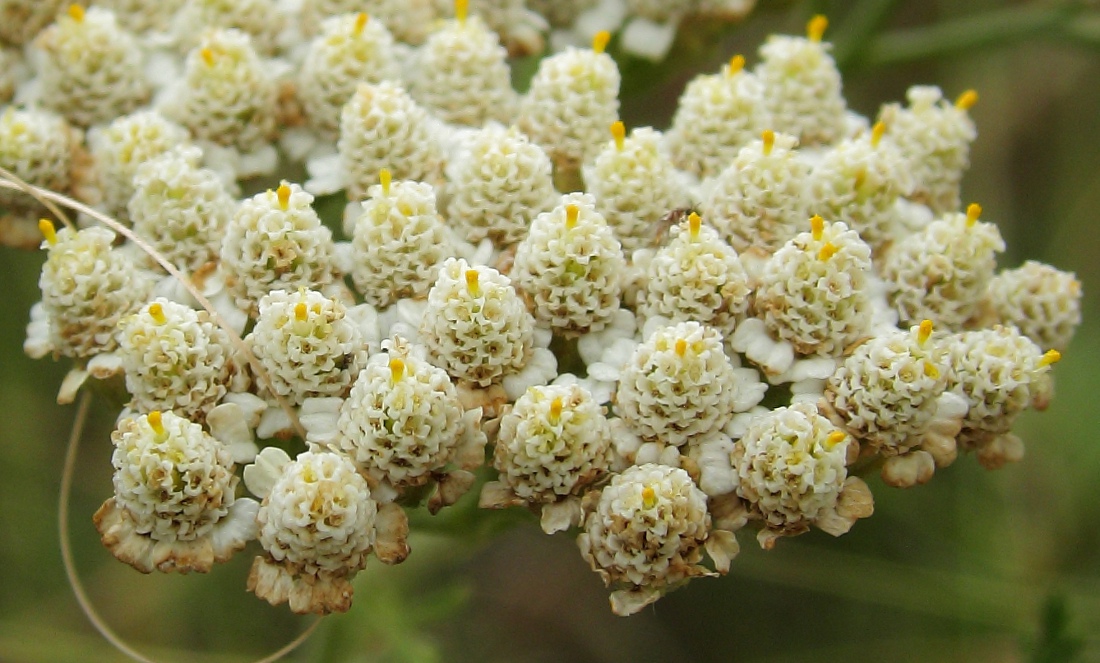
x: 555, y: 411
x: 827, y: 251
x: 76, y: 12
x: 283, y: 193
x: 737, y: 64
x: 156, y: 312
x: 768, y: 136
x: 397, y: 369
x: 973, y: 211
x: 462, y: 10
x: 1050, y: 357
x: 967, y: 100
x: 46, y: 227
x: 931, y: 371
x: 817, y: 227
x: 649, y: 497
x: 877, y: 133
x: 924, y: 333
x: 600, y: 41
x: 694, y: 224
x: 618, y: 132
x: 571, y: 214
x: 835, y: 438
x: 681, y: 347
x: 155, y: 422
x: 472, y: 285
x: 361, y: 22
x: 384, y: 178
x: 815, y: 29
x: 301, y: 311
x: 207, y: 56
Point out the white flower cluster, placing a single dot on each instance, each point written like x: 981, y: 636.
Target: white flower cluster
x: 658, y: 339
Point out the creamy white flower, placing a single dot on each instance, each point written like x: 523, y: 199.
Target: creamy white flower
x: 261, y: 20
x: 92, y: 69
x: 174, y: 507
x: 38, y: 147
x: 1044, y: 303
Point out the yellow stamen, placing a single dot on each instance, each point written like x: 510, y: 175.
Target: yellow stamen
x: 472, y: 285
x: 618, y: 132
x: 737, y: 63
x: 694, y: 224
x: 931, y: 371
x: 462, y: 8
x: 45, y: 226
x: 877, y: 132
x: 815, y: 29
x: 301, y: 311
x: 967, y: 100
x: 397, y: 370
x: 835, y: 438
x: 973, y: 211
x: 827, y: 251
x: 156, y: 312
x: 649, y: 497
x: 207, y: 56
x: 384, y: 178
x: 360, y: 22
x: 817, y: 227
x: 571, y: 214
x: 283, y: 192
x: 155, y: 422
x: 77, y: 13
x: 1050, y: 357
x: 599, y: 42
x: 681, y: 347
x: 924, y: 333
x: 555, y: 411
x: 769, y: 141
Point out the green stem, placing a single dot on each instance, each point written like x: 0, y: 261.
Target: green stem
x: 993, y: 28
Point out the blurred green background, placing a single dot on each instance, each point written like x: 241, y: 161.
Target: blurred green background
x: 975, y: 566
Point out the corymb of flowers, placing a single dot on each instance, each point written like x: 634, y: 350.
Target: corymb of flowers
x: 660, y: 343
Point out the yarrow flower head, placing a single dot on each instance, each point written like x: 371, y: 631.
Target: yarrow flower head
x: 88, y: 287
x: 121, y: 147
x: 175, y: 359
x: 942, y: 272
x: 462, y: 74
x: 696, y: 276
x: 574, y: 97
x: 317, y: 524
x: 1043, y: 302
x: 404, y: 426
x: 680, y: 385
x: 570, y: 266
x: 814, y: 291
x: 759, y: 200
x: 22, y: 20
x: 645, y: 534
x: 259, y: 19
x: 498, y: 185
x: 791, y: 468
x: 933, y: 136
x: 182, y: 210
x: 226, y: 96
x: 38, y: 146
x: 175, y: 506
x: 307, y: 344
x: 802, y: 86
x: 476, y: 326
x: 718, y: 114
x: 92, y: 69
x: 276, y: 240
x: 350, y: 50
x: 382, y: 127
x: 552, y: 446
x: 634, y: 184
x: 399, y: 241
